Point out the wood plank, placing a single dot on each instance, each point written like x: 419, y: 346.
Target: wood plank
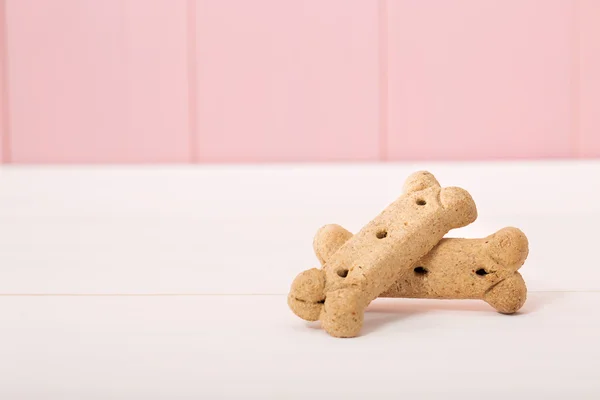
x: 589, y: 78
x: 480, y: 79
x: 287, y: 81
x: 98, y: 81
x: 3, y: 88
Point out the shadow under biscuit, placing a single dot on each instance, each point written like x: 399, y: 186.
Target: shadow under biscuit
x: 420, y: 306
x: 381, y: 313
x: 536, y: 301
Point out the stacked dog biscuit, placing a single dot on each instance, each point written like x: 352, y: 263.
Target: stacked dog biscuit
x: 402, y: 253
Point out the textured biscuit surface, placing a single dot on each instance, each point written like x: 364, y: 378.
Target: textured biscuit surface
x: 456, y: 268
x: 368, y: 263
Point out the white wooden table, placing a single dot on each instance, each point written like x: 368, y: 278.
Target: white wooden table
x: 170, y: 282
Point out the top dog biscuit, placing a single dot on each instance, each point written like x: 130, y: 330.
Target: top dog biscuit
x: 369, y: 262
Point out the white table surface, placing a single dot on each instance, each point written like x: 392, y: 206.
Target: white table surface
x: 169, y: 283
x: 253, y: 347
x: 249, y: 229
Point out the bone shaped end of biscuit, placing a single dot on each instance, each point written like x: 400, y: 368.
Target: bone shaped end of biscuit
x: 307, y: 294
x: 458, y: 203
x: 343, y: 313
x: 328, y: 240
x: 508, y: 247
x: 508, y: 296
x: 420, y: 180
x: 460, y: 206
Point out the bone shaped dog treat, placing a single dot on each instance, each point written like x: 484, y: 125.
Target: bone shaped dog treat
x: 456, y: 268
x: 368, y: 263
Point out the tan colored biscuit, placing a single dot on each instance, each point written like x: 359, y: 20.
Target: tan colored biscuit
x: 456, y: 268
x: 366, y: 264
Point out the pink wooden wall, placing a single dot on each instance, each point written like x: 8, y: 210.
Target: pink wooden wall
x: 122, y: 81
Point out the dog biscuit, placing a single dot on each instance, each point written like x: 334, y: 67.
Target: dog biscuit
x: 484, y: 269
x: 368, y: 263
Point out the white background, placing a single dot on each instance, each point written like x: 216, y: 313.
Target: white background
x: 170, y: 282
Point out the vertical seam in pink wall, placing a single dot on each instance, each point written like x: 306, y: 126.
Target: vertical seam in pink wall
x: 6, y: 153
x: 383, y: 80
x: 575, y: 83
x: 192, y: 80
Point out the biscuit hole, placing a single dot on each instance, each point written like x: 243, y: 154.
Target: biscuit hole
x: 342, y: 273
x: 421, y: 202
x: 381, y: 234
x: 321, y: 301
x: 420, y: 270
x: 481, y: 272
